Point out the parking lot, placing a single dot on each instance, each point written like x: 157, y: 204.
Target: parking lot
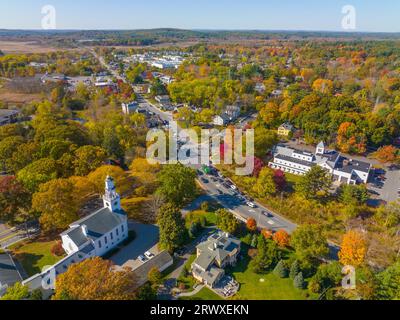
x: 384, y: 184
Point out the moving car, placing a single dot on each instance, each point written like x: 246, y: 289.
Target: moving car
x: 148, y: 255
x: 250, y: 204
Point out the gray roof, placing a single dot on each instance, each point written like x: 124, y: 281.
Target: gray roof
x: 210, y: 276
x: 8, y: 112
x: 97, y: 223
x: 295, y: 160
x: 8, y: 272
x: 353, y: 165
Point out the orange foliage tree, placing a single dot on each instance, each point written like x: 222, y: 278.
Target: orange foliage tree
x: 251, y: 225
x: 281, y: 238
x: 353, y: 249
x: 387, y: 154
x: 95, y: 279
x: 266, y: 233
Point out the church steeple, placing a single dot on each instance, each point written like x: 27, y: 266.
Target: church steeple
x: 111, y: 198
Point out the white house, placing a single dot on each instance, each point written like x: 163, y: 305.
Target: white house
x: 343, y: 170
x: 128, y: 108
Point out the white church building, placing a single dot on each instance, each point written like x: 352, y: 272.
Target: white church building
x: 94, y: 235
x: 342, y: 169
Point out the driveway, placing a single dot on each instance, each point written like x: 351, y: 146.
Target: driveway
x: 146, y: 237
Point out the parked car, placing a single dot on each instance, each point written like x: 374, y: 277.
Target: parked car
x: 142, y: 258
x: 149, y: 255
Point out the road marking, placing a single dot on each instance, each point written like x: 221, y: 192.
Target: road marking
x: 251, y: 210
x: 271, y: 222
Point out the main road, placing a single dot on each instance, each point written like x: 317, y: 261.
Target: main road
x: 216, y: 190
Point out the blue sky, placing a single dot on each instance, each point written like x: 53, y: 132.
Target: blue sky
x: 372, y: 15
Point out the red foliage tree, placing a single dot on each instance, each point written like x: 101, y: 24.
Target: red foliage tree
x: 258, y: 165
x: 280, y: 180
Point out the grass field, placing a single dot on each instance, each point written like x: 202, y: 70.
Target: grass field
x: 264, y: 286
x: 34, y: 256
x: 204, y: 294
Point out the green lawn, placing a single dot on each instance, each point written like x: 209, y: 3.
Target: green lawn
x: 203, y: 294
x: 264, y: 286
x: 34, y: 256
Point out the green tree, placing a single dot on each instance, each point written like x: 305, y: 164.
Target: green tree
x: 7, y: 147
x: 38, y: 172
x: 353, y: 194
x: 389, y: 283
x: 315, y: 183
x: 265, y: 184
x: 226, y: 221
x: 16, y: 292
x: 309, y: 242
x: 281, y: 270
x: 268, y: 254
x: 88, y: 158
x: 172, y: 227
x: 298, y: 281
x: 177, y: 183
x: 327, y: 276
x: 294, y: 269
x: 154, y: 276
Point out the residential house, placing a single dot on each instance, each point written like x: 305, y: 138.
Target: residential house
x: 342, y: 169
x: 230, y: 114
x: 218, y: 252
x: 129, y: 108
x: 8, y: 116
x: 221, y: 120
x: 285, y: 129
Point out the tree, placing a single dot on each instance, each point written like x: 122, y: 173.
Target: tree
x: 98, y: 176
x: 267, y: 233
x: 16, y: 292
x: 323, y: 85
x: 327, y: 276
x: 154, y: 276
x: 353, y: 194
x: 265, y: 184
x: 13, y: 198
x: 280, y: 180
x: 38, y: 172
x: 309, y: 242
x: 387, y: 154
x: 57, y: 204
x: 177, y: 183
x: 226, y: 221
x: 315, y: 183
x: 95, y: 279
x: 389, y: 215
x: 389, y: 283
x: 7, y: 147
x: 353, y: 249
x: 146, y: 292
x: 281, y: 270
x: 298, y: 281
x: 251, y: 225
x: 268, y: 255
x: 172, y: 227
x: 294, y: 269
x: 88, y: 158
x: 282, y: 238
x: 145, y: 173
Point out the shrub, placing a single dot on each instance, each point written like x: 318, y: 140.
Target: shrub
x: 57, y: 249
x: 294, y: 269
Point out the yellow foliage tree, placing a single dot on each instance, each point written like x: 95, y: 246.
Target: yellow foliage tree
x: 353, y: 249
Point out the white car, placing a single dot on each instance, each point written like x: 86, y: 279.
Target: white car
x: 251, y: 204
x: 233, y: 187
x: 148, y: 255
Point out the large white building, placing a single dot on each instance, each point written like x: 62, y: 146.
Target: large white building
x: 95, y: 235
x: 342, y: 169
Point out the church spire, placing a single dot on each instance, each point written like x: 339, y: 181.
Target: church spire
x: 111, y: 198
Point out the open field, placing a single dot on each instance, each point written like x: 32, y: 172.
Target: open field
x: 18, y: 98
x: 25, y: 47
x: 33, y: 256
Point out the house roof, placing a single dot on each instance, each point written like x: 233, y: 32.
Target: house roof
x: 8, y: 271
x: 210, y: 276
x: 97, y: 223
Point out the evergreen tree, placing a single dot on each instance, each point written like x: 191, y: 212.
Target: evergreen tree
x: 298, y: 281
x: 294, y: 269
x: 281, y: 270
